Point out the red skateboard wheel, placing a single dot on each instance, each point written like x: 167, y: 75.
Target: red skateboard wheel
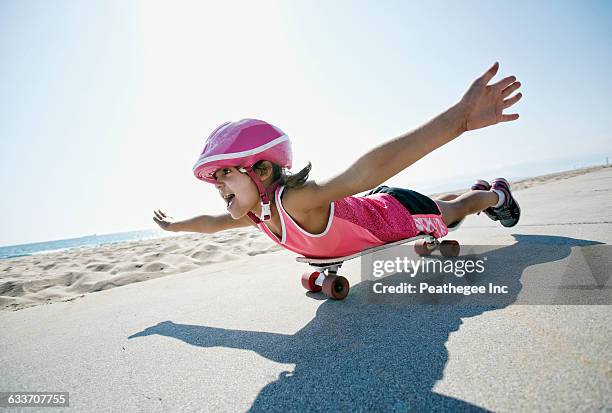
x: 308, y: 281
x: 449, y: 248
x: 336, y: 287
x: 421, y: 247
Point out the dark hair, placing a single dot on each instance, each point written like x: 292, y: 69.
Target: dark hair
x: 290, y: 180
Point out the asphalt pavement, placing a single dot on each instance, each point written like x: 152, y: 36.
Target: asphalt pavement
x: 244, y: 335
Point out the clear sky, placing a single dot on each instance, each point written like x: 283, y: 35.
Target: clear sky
x: 105, y: 105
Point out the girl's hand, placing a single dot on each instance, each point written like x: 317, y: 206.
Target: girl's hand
x: 483, y: 105
x: 164, y: 221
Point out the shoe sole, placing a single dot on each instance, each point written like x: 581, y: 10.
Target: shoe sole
x: 502, y: 180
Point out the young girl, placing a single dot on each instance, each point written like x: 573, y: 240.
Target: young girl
x: 248, y: 160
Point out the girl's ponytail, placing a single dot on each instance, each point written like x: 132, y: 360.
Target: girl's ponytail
x: 290, y: 180
x: 298, y: 179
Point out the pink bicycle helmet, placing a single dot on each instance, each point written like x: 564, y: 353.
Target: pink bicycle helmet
x: 242, y: 144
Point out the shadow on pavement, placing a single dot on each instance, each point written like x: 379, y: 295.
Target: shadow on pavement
x: 356, y: 355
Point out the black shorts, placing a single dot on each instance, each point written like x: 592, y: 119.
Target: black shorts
x: 414, y: 202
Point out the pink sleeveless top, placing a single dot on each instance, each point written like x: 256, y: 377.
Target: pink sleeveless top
x: 354, y: 224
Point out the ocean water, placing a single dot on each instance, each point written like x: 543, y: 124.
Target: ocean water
x: 12, y: 251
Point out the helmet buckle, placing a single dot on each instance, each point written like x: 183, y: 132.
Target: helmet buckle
x: 265, y: 212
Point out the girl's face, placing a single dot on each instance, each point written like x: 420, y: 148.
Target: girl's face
x: 238, y: 191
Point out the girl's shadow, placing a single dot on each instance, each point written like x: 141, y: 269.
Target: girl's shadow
x: 355, y: 354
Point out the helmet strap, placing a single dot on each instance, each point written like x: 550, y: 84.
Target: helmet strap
x: 266, y: 213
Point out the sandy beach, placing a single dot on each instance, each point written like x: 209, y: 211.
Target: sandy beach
x: 67, y: 275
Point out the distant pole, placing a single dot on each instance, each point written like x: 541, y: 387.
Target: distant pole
x: 607, y: 164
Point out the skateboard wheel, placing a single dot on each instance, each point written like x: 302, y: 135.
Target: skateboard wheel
x: 421, y: 247
x: 308, y: 281
x: 449, y: 248
x: 335, y: 287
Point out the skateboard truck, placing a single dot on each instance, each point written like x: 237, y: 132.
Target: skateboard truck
x: 326, y: 279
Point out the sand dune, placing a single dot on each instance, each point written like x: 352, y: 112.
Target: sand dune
x: 536, y: 180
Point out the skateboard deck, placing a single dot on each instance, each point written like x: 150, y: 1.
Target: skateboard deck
x: 324, y: 262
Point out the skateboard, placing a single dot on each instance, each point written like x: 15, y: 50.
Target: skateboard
x: 325, y: 278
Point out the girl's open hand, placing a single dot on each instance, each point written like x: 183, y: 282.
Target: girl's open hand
x: 483, y: 104
x: 164, y: 221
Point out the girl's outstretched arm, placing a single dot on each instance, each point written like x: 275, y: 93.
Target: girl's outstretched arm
x: 207, y: 224
x: 482, y: 105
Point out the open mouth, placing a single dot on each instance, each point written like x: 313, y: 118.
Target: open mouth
x: 229, y: 198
